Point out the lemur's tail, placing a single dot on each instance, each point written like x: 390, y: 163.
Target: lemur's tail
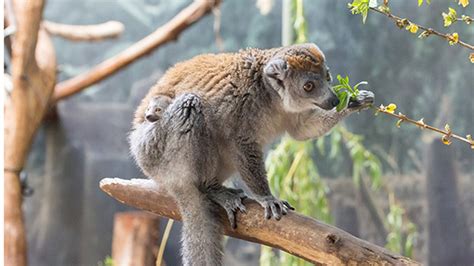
x: 202, y: 231
x: 188, y: 143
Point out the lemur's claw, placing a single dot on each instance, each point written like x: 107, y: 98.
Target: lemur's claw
x: 363, y: 100
x: 274, y: 207
x: 230, y: 200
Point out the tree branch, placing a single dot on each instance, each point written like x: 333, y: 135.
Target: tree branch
x: 296, y: 234
x: 162, y: 35
x: 98, y: 32
x: 447, y: 133
x: 28, y: 17
x: 397, y: 20
x: 33, y: 77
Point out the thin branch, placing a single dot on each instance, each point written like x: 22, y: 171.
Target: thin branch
x: 446, y: 36
x: 299, y: 235
x: 164, y: 34
x: 98, y: 32
x: 447, y: 133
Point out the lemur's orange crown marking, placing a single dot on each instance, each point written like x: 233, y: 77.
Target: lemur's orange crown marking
x: 307, y: 58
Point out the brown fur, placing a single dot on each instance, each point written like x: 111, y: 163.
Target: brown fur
x: 225, y: 109
x: 212, y: 76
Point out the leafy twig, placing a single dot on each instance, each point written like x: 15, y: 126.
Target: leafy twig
x: 344, y: 91
x: 403, y: 22
x: 447, y: 132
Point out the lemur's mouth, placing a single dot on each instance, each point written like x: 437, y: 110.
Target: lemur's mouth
x: 324, y: 107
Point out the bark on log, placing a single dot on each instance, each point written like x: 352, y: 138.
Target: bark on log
x: 135, y: 239
x: 296, y: 234
x: 164, y: 34
x: 98, y: 32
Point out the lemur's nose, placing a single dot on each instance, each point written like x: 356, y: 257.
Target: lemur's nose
x: 151, y: 118
x: 335, y: 102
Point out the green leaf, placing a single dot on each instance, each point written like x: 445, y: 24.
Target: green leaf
x: 361, y: 7
x: 337, y: 88
x: 345, y: 82
x: 358, y: 84
x: 343, y: 101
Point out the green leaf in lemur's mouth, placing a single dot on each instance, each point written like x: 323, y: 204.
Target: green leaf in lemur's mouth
x: 345, y: 92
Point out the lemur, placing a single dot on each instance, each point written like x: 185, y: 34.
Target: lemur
x: 225, y: 108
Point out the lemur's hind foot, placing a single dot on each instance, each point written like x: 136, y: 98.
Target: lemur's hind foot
x: 230, y: 200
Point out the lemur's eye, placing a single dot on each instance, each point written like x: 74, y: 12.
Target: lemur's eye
x: 158, y: 109
x: 308, y: 86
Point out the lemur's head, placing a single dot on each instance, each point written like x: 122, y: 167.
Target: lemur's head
x: 300, y: 76
x: 156, y: 107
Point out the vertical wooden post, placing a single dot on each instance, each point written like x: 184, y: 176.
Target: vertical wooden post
x: 135, y: 238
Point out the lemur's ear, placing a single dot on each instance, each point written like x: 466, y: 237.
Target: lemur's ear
x: 276, y: 68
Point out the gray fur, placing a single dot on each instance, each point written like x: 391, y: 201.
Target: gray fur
x: 201, y: 140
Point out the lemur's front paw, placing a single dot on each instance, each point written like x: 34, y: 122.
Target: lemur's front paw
x: 230, y: 200
x: 363, y: 100
x: 274, y: 207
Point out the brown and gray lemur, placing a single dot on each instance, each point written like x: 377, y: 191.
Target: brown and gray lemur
x: 220, y: 111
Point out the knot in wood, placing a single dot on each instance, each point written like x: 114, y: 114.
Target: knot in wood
x: 333, y: 242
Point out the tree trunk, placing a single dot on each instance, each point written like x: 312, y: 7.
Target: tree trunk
x: 135, y: 239
x: 448, y: 235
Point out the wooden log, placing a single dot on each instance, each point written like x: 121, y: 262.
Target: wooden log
x: 296, y: 234
x: 135, y: 238
x: 97, y: 32
x: 164, y: 34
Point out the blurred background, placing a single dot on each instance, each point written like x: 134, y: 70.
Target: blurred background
x: 415, y: 196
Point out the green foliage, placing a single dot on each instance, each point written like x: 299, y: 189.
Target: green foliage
x: 402, y: 235
x: 299, y: 24
x: 362, y: 7
x: 294, y: 177
x: 267, y: 257
x: 420, y: 2
x: 364, y: 162
x: 344, y: 91
x: 450, y: 17
x: 108, y: 261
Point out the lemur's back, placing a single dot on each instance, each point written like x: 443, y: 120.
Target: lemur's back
x: 230, y: 82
